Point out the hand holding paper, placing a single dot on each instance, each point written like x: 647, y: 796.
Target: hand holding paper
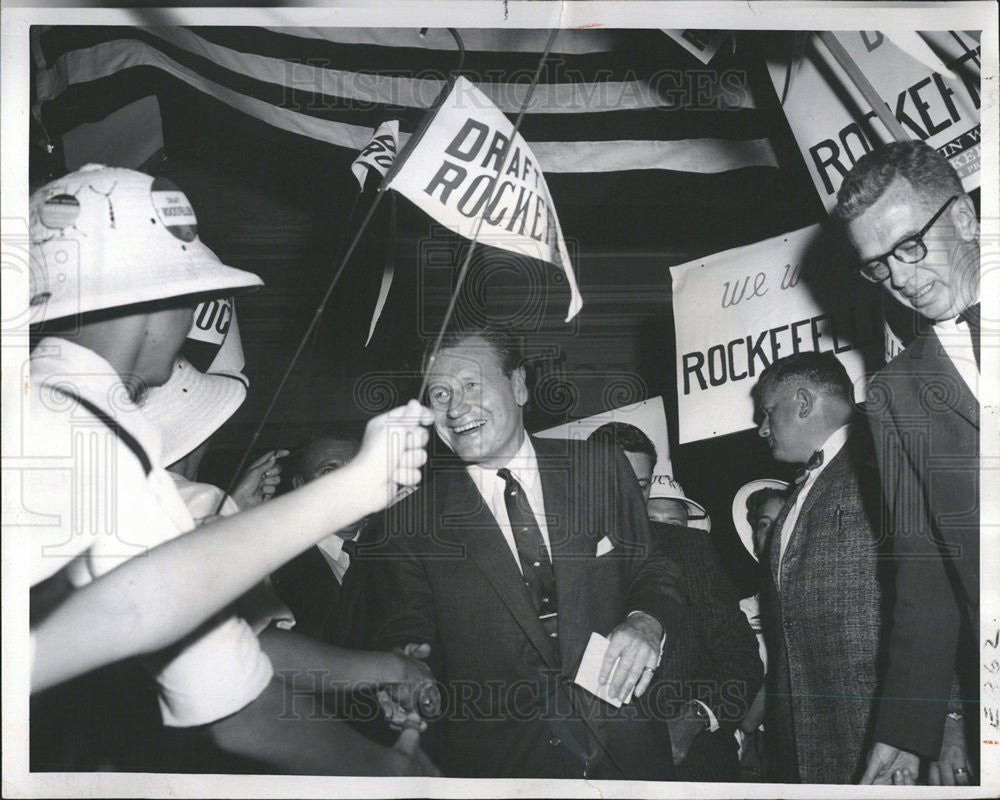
x: 636, y: 641
x: 588, y: 675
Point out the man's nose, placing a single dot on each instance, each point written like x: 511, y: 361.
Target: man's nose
x: 901, y: 274
x: 764, y: 429
x: 457, y: 404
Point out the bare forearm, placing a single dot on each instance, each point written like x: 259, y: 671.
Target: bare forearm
x: 304, y: 663
x: 151, y: 601
x: 289, y: 732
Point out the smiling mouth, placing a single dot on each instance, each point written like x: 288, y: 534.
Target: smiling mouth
x: 469, y: 428
x: 922, y: 294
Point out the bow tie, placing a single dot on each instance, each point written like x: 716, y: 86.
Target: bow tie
x: 815, y: 461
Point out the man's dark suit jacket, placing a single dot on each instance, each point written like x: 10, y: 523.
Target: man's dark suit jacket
x: 925, y: 422
x: 715, y: 657
x: 444, y: 574
x: 823, y: 631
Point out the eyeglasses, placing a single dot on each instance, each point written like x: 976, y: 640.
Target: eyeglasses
x: 909, y: 250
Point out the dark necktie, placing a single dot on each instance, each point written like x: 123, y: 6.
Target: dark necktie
x: 531, y: 551
x: 971, y: 318
x: 350, y: 546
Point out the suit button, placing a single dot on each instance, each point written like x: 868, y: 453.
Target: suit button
x: 553, y: 635
x: 787, y: 624
x: 555, y: 741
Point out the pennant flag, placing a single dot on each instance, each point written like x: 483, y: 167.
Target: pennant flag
x: 379, y: 153
x: 472, y: 172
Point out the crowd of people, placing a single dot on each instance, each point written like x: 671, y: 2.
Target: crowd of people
x: 346, y: 609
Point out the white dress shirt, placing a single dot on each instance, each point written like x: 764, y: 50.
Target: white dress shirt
x: 956, y: 340
x: 830, y: 448
x: 524, y: 467
x: 332, y: 548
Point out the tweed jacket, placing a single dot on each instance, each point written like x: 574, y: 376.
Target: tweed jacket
x: 715, y: 657
x: 823, y: 630
x: 925, y: 423
x: 444, y: 574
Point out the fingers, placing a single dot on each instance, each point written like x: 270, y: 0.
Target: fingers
x: 903, y: 777
x: 645, y: 678
x: 428, y: 699
x: 417, y: 650
x: 633, y: 656
x: 408, y: 741
x: 398, y: 717
x: 413, y: 413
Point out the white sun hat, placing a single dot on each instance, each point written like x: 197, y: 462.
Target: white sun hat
x: 664, y: 487
x: 190, y: 407
x: 104, y: 237
x: 743, y: 527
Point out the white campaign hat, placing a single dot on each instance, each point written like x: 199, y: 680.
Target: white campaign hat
x: 190, y: 407
x: 664, y: 487
x: 743, y: 527
x: 104, y: 237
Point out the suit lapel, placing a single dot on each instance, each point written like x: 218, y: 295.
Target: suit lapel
x: 570, y: 555
x: 929, y: 351
x: 798, y: 538
x: 469, y: 522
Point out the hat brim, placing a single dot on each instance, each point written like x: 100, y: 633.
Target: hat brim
x: 202, y: 274
x: 739, y: 510
x: 190, y: 407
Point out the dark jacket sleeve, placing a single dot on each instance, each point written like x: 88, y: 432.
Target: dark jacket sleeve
x: 925, y: 616
x: 400, y: 598
x: 737, y: 672
x: 657, y: 586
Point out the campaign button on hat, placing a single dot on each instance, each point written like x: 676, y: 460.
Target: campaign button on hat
x: 173, y: 209
x: 59, y: 212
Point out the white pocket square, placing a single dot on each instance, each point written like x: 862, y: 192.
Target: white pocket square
x: 604, y: 546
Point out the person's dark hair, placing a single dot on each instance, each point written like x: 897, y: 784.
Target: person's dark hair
x: 504, y: 344
x: 822, y: 370
x: 297, y: 462
x: 756, y: 500
x: 628, y: 437
x: 931, y: 175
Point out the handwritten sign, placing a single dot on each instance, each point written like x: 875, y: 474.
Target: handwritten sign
x: 765, y: 301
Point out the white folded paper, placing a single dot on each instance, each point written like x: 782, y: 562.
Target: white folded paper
x: 590, y: 670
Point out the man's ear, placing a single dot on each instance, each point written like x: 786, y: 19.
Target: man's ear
x: 963, y: 217
x: 298, y: 481
x: 519, y: 385
x: 806, y: 401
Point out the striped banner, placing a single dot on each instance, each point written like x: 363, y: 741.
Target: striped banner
x: 603, y: 103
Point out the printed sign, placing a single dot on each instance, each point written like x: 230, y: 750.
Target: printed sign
x: 835, y: 126
x: 766, y: 301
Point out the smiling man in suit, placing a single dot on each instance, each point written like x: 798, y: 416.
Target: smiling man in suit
x: 517, y: 550
x: 823, y: 583
x: 916, y: 233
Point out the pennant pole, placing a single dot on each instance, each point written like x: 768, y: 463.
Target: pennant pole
x: 479, y: 223
x: 397, y: 163
x: 868, y: 91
